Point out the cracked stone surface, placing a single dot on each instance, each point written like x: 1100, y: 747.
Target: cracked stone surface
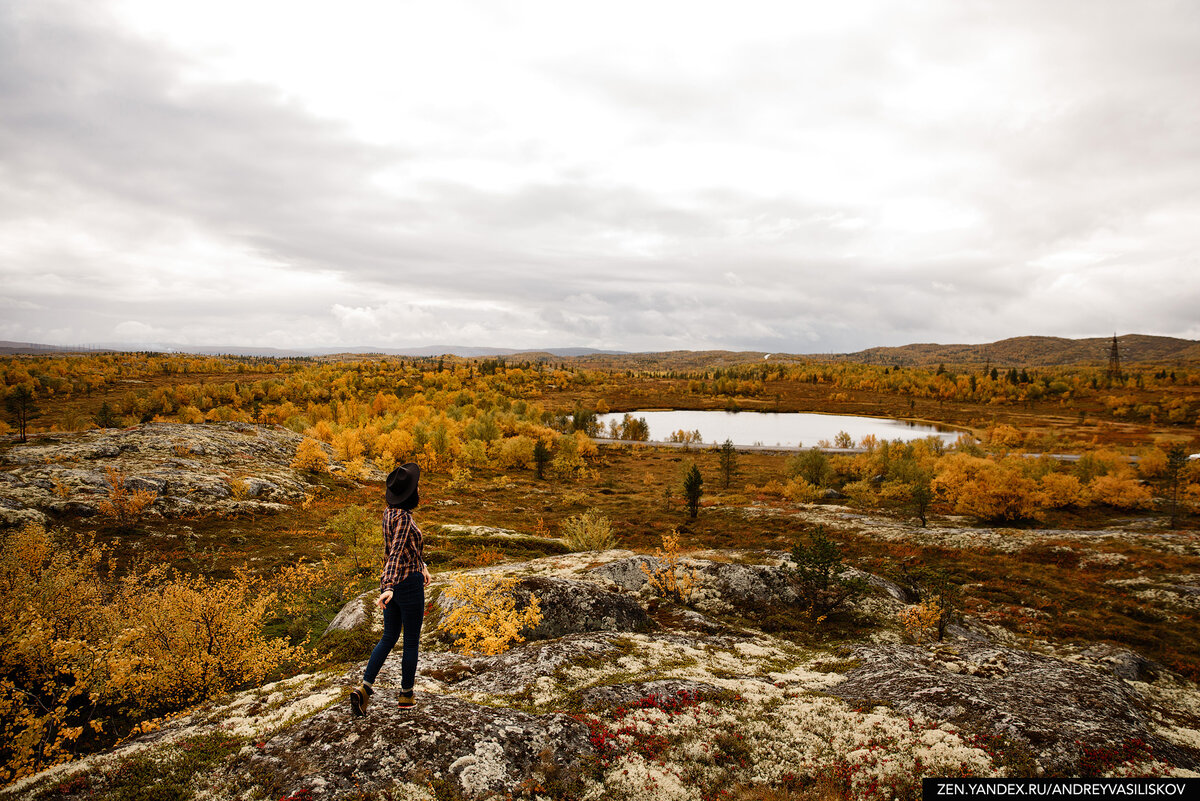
x: 191, y: 468
x: 1051, y: 704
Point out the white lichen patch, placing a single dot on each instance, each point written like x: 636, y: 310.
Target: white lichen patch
x: 771, y: 734
x: 291, y: 700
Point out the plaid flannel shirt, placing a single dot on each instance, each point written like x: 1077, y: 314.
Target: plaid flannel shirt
x: 403, y: 546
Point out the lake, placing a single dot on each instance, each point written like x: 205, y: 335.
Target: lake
x: 787, y: 429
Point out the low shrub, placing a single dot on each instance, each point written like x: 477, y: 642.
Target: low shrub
x: 589, y: 531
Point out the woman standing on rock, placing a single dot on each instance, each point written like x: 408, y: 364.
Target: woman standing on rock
x: 401, y: 588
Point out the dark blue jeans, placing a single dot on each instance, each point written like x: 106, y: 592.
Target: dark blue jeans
x: 404, y: 612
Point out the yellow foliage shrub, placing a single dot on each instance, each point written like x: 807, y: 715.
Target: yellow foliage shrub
x: 861, y: 492
x: 475, y: 453
x: 800, y: 491
x: 1191, y: 497
x: 460, y: 478
x: 322, y: 431
x: 516, y: 452
x: 395, y: 447
x: 1103, y: 462
x: 771, y: 489
x: 589, y: 531
x: 1060, y: 490
x: 347, y: 444
x: 186, y: 639
x: 1152, y: 463
x: 48, y: 666
x: 357, y: 469
x: 149, y: 644
x: 1004, y: 436
x: 123, y: 505
x: 311, y: 456
x: 483, y: 615
x: 239, y: 488
x: 986, y: 489
x: 667, y: 577
x: 189, y: 414
x: 920, y: 621
x: 1120, y: 492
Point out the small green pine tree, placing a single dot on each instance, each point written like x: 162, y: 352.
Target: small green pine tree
x: 728, y: 460
x: 692, y: 483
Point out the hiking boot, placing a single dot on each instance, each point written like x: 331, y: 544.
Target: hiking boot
x: 359, y: 699
x: 407, y: 701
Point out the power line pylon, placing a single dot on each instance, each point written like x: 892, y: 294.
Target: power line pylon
x: 1114, y: 361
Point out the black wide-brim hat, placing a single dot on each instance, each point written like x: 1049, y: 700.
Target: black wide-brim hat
x: 402, y: 484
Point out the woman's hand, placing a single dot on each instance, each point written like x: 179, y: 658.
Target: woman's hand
x: 425, y: 573
x: 383, y: 598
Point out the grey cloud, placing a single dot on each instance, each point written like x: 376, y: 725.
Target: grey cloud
x: 100, y: 128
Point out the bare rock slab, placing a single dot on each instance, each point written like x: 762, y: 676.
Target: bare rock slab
x: 1054, y: 706
x: 481, y: 750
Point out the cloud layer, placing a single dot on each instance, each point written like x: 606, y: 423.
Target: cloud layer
x: 786, y: 177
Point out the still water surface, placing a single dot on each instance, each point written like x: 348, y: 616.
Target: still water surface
x: 794, y: 429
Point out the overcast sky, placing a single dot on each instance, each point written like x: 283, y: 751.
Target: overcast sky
x: 783, y: 176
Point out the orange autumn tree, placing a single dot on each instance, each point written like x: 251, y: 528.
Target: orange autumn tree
x: 82, y: 654
x: 987, y: 489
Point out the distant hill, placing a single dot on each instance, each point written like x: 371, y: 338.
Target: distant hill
x: 242, y: 350
x: 12, y: 348
x: 1035, y: 351
x: 1031, y: 351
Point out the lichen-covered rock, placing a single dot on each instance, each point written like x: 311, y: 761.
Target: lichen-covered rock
x: 1055, y: 706
x: 192, y: 469
x: 570, y: 606
x: 479, y: 750
x: 724, y: 585
x: 357, y: 612
x: 519, y: 670
x: 618, y: 695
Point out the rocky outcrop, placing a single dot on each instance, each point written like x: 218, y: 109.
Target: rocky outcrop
x: 688, y: 705
x: 730, y: 586
x: 1055, y: 707
x: 476, y: 749
x: 570, y: 606
x: 228, y: 468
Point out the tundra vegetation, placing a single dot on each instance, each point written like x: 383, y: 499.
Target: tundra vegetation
x: 111, y: 622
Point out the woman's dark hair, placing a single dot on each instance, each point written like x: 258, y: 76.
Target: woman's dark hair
x: 410, y: 502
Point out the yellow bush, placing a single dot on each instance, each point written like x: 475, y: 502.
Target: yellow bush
x: 1060, y: 490
x: 861, y: 492
x: 1004, y: 436
x: 189, y: 414
x: 239, y: 488
x: 49, y: 667
x: 589, y: 531
x: 151, y: 643
x: 1191, y: 497
x: 347, y: 444
x: 800, y: 491
x: 1103, y: 462
x: 190, y: 638
x: 475, y: 453
x: 1120, y: 492
x: 483, y: 616
x: 322, y: 431
x: 986, y: 489
x: 920, y: 621
x: 311, y: 456
x: 771, y: 489
x: 516, y: 452
x: 357, y: 470
x: 122, y: 505
x: 1152, y: 463
x: 667, y: 578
